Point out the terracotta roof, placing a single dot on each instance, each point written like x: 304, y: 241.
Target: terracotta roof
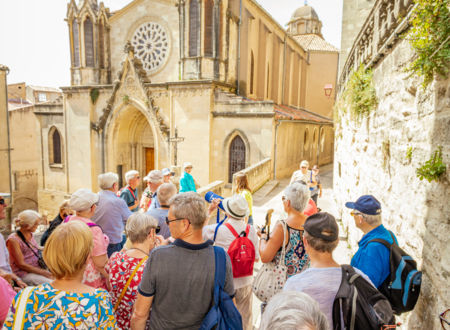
x: 285, y: 112
x: 315, y: 43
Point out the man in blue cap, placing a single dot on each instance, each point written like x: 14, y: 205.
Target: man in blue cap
x: 372, y: 258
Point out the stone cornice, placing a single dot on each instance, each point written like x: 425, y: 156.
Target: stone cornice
x: 244, y: 114
x: 381, y: 30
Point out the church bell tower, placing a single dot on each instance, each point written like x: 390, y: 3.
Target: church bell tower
x: 89, y: 43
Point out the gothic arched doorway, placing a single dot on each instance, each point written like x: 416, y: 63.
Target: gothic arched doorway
x: 236, y: 159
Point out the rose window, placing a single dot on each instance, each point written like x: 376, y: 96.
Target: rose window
x: 151, y: 45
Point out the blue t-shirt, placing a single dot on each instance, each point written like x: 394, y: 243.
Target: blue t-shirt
x: 373, y: 259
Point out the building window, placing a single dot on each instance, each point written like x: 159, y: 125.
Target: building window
x: 101, y: 45
x: 42, y: 97
x: 252, y: 71
x: 54, y: 147
x: 236, y: 157
x: 194, y: 27
x: 306, y: 141
x: 322, y: 139
x: 76, y: 44
x: 89, y: 42
x: 209, y: 14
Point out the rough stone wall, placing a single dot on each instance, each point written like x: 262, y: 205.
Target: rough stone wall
x: 370, y: 158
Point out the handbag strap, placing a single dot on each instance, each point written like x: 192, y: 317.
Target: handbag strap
x: 125, y: 288
x: 19, y: 233
x: 19, y: 315
x: 283, y: 249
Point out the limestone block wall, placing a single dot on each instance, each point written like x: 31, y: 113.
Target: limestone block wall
x: 370, y: 158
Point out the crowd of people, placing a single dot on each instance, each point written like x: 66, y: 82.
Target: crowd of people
x: 114, y: 260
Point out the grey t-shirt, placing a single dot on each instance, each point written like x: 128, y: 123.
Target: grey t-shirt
x: 160, y: 215
x: 180, y: 277
x: 321, y: 284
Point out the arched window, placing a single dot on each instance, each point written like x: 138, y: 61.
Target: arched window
x: 101, y: 45
x: 306, y: 141
x: 194, y: 27
x: 54, y: 147
x: 236, y: 157
x: 88, y: 42
x: 209, y: 14
x: 252, y: 70
x: 76, y: 44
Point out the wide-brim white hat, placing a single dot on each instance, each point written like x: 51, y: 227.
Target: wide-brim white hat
x: 236, y: 206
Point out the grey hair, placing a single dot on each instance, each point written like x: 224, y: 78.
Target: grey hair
x: 292, y: 310
x: 165, y: 192
x: 298, y: 194
x: 139, y: 225
x: 191, y: 206
x: 27, y: 218
x: 107, y: 180
x: 130, y: 175
x: 373, y: 220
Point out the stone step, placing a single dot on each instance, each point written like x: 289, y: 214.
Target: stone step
x: 266, y: 189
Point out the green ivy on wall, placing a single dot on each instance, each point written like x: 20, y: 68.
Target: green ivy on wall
x: 433, y: 168
x: 430, y: 38
x: 95, y: 93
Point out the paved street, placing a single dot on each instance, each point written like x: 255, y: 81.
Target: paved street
x: 273, y: 200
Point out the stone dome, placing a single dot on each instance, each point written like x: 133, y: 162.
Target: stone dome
x: 306, y: 12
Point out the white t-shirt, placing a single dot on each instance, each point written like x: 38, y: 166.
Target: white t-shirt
x: 225, y: 237
x: 321, y: 284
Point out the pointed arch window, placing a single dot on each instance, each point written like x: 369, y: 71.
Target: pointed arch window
x: 88, y: 42
x: 101, y: 44
x: 76, y: 43
x: 236, y: 157
x: 54, y: 147
x: 194, y: 27
x: 209, y: 14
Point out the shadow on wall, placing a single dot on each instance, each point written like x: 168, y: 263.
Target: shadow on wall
x: 435, y: 291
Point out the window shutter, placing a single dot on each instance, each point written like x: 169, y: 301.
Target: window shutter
x: 194, y: 27
x: 89, y: 42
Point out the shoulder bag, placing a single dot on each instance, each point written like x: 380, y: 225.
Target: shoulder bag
x: 38, y: 255
x: 272, y: 276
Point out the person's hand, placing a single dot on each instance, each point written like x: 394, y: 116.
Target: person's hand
x: 214, y: 205
x: 14, y: 279
x: 159, y: 240
x: 108, y: 285
x: 9, y: 277
x: 136, y: 203
x: 320, y: 194
x: 258, y: 230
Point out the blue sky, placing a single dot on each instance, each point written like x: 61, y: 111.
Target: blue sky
x: 34, y: 39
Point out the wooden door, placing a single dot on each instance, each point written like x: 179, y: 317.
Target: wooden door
x: 149, y: 160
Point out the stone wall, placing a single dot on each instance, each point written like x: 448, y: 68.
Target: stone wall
x: 370, y: 158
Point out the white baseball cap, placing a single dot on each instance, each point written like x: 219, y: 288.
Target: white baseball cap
x: 83, y: 199
x: 154, y: 176
x: 187, y: 164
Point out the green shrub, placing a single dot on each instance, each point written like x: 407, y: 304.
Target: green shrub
x: 360, y: 92
x: 433, y: 168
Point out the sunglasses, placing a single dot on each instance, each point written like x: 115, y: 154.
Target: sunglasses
x: 169, y: 221
x: 157, y: 229
x: 353, y: 213
x: 2, y: 202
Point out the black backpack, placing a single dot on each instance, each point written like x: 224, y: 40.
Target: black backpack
x: 359, y: 305
x: 402, y: 286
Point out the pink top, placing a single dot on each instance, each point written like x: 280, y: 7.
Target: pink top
x: 92, y: 277
x: 7, y: 293
x: 120, y: 267
x: 28, y: 255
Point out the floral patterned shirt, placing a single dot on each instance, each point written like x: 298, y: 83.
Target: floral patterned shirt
x: 120, y: 267
x: 296, y: 258
x: 48, y: 308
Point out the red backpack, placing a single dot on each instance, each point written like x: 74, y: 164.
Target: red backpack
x: 242, y: 253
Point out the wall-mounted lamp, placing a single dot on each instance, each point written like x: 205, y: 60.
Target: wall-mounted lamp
x: 328, y: 88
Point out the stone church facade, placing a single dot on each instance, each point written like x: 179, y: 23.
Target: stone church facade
x: 161, y: 82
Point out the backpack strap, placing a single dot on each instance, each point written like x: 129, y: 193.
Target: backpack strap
x: 91, y: 224
x: 233, y: 231
x: 247, y: 230
x: 220, y: 262
x: 21, y: 306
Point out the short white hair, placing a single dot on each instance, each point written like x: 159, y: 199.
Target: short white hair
x: 27, y: 218
x: 165, y: 192
x: 107, y: 180
x: 139, y: 225
x: 130, y: 175
x: 292, y: 310
x: 298, y: 194
x: 373, y: 220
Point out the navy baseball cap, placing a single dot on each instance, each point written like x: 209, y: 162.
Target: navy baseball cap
x: 366, y: 204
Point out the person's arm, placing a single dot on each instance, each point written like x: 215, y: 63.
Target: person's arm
x: 192, y: 184
x: 100, y: 263
x: 371, y: 262
x: 124, y: 211
x: 16, y: 254
x: 320, y: 190
x: 269, y: 248
x: 141, y: 311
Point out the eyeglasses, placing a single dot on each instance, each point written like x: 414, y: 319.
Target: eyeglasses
x: 353, y: 213
x: 2, y: 202
x: 303, y: 167
x: 157, y: 229
x: 169, y: 221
